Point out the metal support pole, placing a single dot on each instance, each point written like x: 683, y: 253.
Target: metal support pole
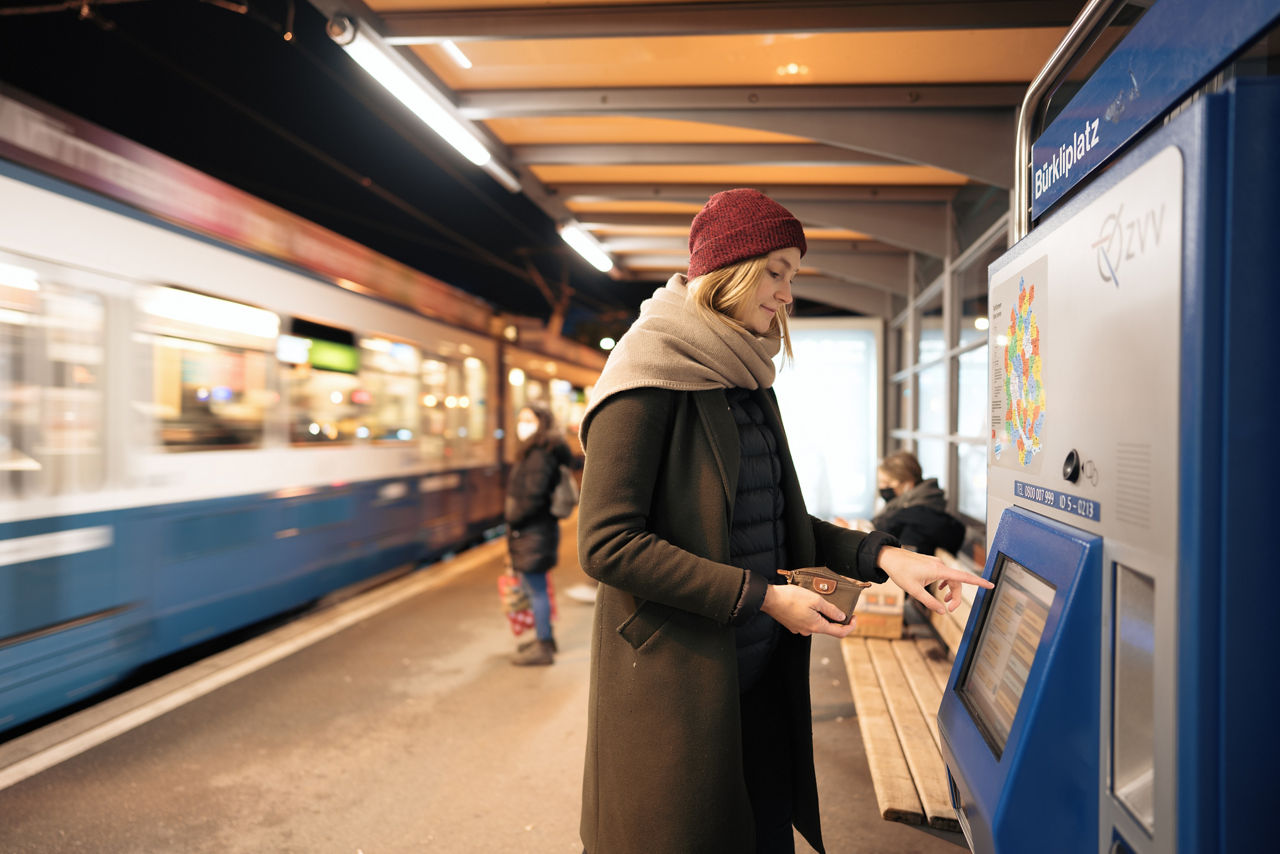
x: 1085, y: 30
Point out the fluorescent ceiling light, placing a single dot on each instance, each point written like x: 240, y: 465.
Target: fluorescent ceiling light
x: 455, y: 53
x: 383, y: 65
x: 586, y: 246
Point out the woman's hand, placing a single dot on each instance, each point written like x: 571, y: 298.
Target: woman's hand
x: 803, y: 611
x: 914, y: 572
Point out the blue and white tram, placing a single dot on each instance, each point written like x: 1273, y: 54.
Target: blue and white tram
x: 195, y: 437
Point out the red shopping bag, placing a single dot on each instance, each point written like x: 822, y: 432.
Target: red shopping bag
x: 515, y: 603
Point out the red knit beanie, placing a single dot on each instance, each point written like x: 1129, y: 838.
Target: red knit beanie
x: 739, y: 224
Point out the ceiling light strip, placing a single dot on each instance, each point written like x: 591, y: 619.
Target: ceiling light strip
x: 586, y: 246
x: 386, y: 66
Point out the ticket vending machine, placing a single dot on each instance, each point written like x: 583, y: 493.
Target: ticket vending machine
x: 1116, y: 690
x: 1047, y: 579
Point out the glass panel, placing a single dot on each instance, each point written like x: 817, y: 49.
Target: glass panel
x: 931, y: 414
x: 320, y: 404
x: 207, y: 396
x: 971, y: 285
x: 1132, y: 732
x: 435, y: 385
x: 932, y: 341
x: 901, y: 397
x: 210, y: 364
x: 451, y: 406
x: 561, y: 400
x: 971, y: 499
x: 472, y: 435
x: 51, y: 370
x: 388, y: 395
x: 834, y: 380
x: 932, y: 454
x: 972, y: 406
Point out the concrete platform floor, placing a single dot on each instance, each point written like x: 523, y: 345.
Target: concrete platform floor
x: 404, y: 730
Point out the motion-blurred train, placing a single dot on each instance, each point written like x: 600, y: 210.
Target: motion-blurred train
x: 212, y: 411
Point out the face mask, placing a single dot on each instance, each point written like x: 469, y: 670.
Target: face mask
x: 887, y: 494
x: 525, y: 430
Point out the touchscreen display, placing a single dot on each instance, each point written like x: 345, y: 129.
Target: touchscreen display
x: 1007, y: 637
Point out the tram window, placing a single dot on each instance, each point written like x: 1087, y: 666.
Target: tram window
x: 475, y: 379
x: 51, y: 370
x: 207, y: 396
x: 388, y: 396
x: 320, y: 367
x: 209, y: 368
x: 447, y: 409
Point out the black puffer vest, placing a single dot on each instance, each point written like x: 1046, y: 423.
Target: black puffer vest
x: 757, y: 540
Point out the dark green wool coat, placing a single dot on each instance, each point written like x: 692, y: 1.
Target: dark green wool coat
x: 664, y: 752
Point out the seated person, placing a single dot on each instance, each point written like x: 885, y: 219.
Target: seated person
x: 915, y: 510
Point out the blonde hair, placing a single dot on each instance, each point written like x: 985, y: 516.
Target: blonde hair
x: 721, y: 294
x: 903, y: 467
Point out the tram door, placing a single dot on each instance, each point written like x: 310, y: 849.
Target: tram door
x: 1115, y: 690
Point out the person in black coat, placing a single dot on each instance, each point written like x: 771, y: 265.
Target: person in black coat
x: 916, y: 509
x: 533, y: 534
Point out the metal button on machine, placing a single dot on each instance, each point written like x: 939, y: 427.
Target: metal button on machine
x: 1071, y: 466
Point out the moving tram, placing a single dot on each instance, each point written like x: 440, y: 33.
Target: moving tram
x: 213, y: 412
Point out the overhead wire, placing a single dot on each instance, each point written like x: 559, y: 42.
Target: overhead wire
x: 474, y: 251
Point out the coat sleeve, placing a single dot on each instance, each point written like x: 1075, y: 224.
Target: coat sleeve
x: 628, y: 440
x: 850, y: 552
x: 531, y: 485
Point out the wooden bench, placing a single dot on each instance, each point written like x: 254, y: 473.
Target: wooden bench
x: 897, y: 688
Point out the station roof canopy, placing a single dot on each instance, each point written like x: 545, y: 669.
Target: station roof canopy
x: 886, y: 127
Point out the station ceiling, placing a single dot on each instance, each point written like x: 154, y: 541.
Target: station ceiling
x: 887, y: 127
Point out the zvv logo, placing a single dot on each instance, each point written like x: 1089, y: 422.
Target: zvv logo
x: 1121, y: 240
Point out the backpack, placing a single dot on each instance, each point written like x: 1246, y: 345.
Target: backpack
x: 565, y: 496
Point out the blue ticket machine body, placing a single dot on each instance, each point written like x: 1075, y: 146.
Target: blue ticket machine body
x: 1020, y: 713
x: 1115, y: 691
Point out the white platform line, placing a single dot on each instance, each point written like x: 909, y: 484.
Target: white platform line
x: 248, y: 657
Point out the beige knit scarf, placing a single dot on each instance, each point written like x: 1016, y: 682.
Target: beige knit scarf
x: 673, y: 346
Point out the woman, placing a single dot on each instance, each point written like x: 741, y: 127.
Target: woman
x: 915, y: 510
x: 533, y: 534
x: 699, y: 728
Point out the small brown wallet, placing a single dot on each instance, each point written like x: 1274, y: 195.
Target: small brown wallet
x: 843, y: 592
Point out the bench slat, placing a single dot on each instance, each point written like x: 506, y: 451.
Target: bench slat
x: 928, y: 696
x: 923, y: 757
x: 937, y: 659
x: 891, y: 778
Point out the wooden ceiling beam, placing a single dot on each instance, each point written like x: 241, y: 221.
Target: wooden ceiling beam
x: 739, y: 18
x: 500, y: 103
x: 784, y: 154
x: 786, y: 194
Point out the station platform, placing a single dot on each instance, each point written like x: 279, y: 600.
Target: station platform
x: 384, y: 722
